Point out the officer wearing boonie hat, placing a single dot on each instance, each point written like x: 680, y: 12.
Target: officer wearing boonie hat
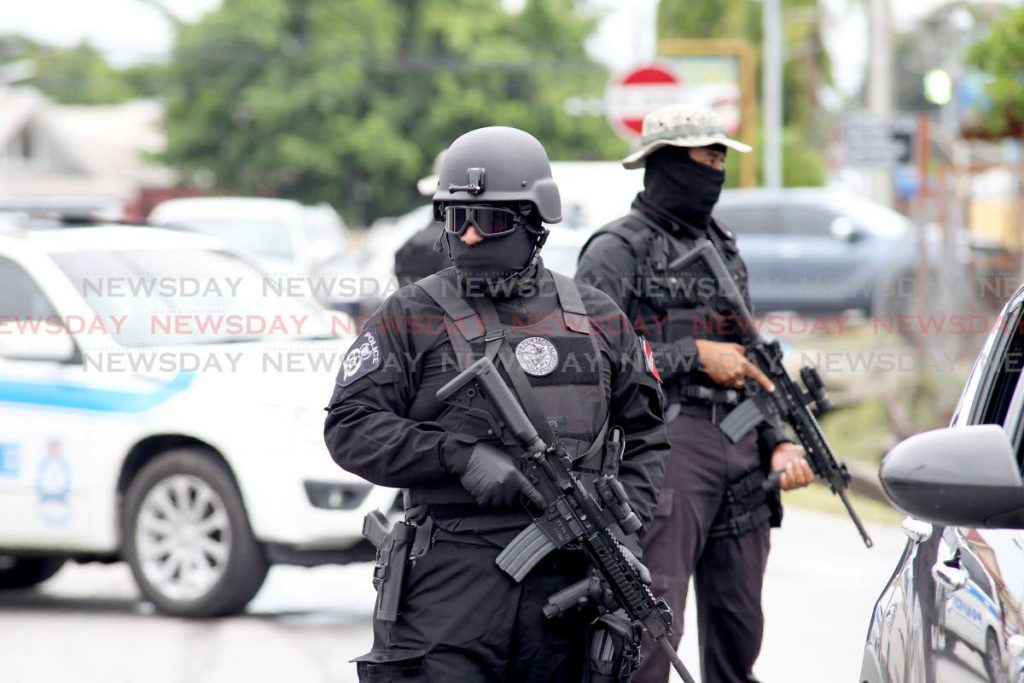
x: 713, y: 517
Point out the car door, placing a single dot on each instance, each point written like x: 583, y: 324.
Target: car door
x: 979, y: 573
x: 824, y: 251
x: 44, y: 447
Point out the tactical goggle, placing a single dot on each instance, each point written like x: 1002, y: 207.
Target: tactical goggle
x: 489, y: 221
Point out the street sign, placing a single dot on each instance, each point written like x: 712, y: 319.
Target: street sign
x: 633, y: 95
x: 877, y: 140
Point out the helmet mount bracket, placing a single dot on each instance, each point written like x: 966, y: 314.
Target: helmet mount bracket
x: 475, y: 184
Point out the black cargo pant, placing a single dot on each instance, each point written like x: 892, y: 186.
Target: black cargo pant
x: 463, y: 619
x: 728, y: 571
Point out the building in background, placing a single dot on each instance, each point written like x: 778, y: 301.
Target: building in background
x: 86, y: 157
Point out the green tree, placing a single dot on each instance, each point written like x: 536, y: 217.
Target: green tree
x: 69, y: 75
x: 1001, y: 55
x: 349, y: 101
x: 806, y: 69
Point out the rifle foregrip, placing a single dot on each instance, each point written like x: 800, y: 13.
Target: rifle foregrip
x: 567, y: 598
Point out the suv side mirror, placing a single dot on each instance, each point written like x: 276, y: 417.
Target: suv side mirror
x: 962, y: 476
x: 48, y: 343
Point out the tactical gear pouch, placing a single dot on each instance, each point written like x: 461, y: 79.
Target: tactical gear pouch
x: 745, y: 507
x: 613, y: 650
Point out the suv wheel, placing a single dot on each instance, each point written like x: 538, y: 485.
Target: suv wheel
x: 187, y: 537
x: 993, y: 660
x: 25, y: 572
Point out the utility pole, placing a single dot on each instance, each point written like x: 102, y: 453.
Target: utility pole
x: 880, y: 86
x: 771, y: 92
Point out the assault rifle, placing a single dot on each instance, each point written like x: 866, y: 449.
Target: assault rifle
x: 571, y: 514
x: 788, y: 403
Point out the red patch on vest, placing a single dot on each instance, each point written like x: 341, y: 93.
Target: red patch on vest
x: 649, y: 360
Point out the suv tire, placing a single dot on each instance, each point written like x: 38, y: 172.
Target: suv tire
x: 187, y: 537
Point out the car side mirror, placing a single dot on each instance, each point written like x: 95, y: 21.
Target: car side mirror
x: 48, y: 342
x: 962, y: 476
x: 845, y: 230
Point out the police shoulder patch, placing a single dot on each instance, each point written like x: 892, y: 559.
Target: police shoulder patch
x: 363, y: 357
x: 652, y: 369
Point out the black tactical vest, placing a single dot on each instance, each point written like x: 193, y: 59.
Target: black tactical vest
x: 665, y: 305
x: 561, y: 361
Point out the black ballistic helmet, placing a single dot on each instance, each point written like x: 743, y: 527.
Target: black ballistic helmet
x: 498, y: 164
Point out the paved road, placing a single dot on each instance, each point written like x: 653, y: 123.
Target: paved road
x: 87, y: 625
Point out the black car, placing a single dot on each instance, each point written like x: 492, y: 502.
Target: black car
x: 954, y: 607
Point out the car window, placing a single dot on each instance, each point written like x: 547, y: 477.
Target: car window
x: 188, y: 296
x: 262, y: 237
x: 20, y: 296
x: 808, y: 220
x: 1000, y: 375
x: 976, y: 572
x: 750, y: 219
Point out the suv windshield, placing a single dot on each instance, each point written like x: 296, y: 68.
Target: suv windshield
x: 188, y: 296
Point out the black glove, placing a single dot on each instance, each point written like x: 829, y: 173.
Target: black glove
x: 492, y: 478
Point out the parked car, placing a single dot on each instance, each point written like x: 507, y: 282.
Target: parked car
x: 160, y: 407
x: 283, y: 235
x: 954, y: 607
x: 818, y: 250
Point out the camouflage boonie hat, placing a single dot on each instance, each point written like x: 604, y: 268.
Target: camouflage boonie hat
x: 681, y: 125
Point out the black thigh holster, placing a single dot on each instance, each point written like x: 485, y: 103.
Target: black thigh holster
x: 396, y: 547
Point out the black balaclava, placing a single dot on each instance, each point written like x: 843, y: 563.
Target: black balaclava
x: 495, y: 266
x: 679, y: 187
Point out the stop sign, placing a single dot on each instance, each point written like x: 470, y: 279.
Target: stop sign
x: 633, y: 95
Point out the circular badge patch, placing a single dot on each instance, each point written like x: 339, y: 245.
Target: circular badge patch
x: 537, y: 356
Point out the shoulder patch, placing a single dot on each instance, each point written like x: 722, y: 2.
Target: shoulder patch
x: 363, y: 357
x: 652, y: 370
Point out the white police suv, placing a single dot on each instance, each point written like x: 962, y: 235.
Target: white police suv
x: 161, y: 402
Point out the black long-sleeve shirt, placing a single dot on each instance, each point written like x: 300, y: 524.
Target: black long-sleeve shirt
x: 382, y: 425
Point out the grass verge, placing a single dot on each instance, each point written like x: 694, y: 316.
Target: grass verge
x: 818, y: 497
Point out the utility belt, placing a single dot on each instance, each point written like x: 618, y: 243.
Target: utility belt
x: 703, y: 403
x: 744, y: 508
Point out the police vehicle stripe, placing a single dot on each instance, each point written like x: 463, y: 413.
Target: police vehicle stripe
x: 62, y: 395
x: 985, y: 600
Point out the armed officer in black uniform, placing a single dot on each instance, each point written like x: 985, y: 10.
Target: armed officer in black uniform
x: 713, y: 517
x: 461, y: 618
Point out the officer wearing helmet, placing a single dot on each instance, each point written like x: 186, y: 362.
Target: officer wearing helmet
x: 460, y: 618
x: 713, y: 516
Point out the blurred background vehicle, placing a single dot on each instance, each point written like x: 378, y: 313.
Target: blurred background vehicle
x: 815, y: 250
x: 283, y: 235
x: 822, y: 250
x: 161, y: 408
